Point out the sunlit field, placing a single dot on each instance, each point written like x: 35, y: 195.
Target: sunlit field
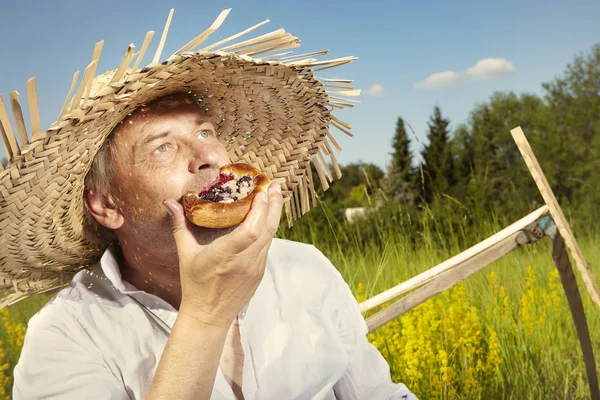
x: 504, y: 333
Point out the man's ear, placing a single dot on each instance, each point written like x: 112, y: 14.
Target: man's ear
x: 103, y: 208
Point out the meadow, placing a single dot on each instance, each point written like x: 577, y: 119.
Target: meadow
x: 504, y: 333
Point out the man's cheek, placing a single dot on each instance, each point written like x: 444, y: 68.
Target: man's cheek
x: 172, y: 187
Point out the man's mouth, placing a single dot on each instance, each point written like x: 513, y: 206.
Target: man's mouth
x: 201, y: 185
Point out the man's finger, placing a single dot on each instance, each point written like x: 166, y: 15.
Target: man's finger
x: 184, y: 238
x: 249, y: 231
x: 275, y: 208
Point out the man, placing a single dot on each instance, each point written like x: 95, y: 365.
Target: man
x: 172, y: 310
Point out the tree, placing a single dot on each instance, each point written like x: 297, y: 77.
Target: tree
x: 572, y: 146
x: 359, y: 180
x: 461, y: 147
x: 490, y: 171
x: 438, y: 165
x: 399, y: 183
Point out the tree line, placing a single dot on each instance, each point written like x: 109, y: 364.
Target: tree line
x: 474, y: 171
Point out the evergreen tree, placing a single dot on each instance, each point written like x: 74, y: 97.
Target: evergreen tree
x: 399, y: 185
x: 462, y: 148
x: 438, y: 165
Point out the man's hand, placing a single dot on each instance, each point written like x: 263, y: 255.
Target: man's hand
x: 218, y: 279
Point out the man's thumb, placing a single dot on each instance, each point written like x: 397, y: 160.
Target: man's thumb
x: 178, y: 221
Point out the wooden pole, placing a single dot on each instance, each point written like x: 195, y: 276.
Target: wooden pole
x: 567, y: 277
x: 451, y: 263
x: 557, y: 214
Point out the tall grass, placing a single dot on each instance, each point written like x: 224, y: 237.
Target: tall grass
x: 505, y: 332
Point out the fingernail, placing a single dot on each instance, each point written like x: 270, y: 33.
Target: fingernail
x: 168, y: 206
x: 278, y: 188
x: 263, y: 197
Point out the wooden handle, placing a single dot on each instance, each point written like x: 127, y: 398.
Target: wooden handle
x: 451, y: 263
x: 557, y: 214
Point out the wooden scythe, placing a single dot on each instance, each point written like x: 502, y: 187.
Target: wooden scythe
x: 556, y: 212
x: 561, y: 259
x: 528, y: 229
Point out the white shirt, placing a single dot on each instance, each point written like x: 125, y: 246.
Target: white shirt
x: 302, y: 334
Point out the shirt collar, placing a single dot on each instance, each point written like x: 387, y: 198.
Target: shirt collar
x: 110, y: 268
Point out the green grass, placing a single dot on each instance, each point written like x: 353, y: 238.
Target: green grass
x: 540, y: 362
x: 544, y: 362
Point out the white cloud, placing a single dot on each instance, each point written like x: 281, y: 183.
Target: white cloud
x: 489, y: 68
x: 439, y: 79
x: 375, y: 90
x: 484, y: 69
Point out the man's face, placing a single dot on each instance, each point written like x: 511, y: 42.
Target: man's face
x: 161, y: 152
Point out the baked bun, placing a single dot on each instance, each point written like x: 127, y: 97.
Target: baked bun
x: 226, y: 201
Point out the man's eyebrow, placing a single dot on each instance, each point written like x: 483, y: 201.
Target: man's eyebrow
x: 160, y: 135
x: 201, y: 120
x: 153, y: 137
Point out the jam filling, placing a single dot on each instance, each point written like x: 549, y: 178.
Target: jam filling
x: 225, y: 189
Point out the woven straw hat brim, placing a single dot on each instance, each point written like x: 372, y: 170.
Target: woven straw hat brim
x: 273, y: 114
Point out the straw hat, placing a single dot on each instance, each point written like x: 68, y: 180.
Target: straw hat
x: 269, y: 111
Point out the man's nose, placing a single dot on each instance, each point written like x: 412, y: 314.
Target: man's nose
x: 204, y: 157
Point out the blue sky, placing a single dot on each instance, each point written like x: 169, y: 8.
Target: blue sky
x: 399, y: 44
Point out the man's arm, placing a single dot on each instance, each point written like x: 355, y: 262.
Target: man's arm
x: 368, y: 373
x: 189, y: 363
x: 217, y: 280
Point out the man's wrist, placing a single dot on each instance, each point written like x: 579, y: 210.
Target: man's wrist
x: 198, y: 319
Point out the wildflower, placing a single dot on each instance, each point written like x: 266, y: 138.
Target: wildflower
x: 360, y: 292
x: 5, y: 379
x: 440, y: 348
x: 15, y: 332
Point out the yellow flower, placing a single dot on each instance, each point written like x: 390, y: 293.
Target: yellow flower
x: 441, y: 349
x: 14, y: 329
x: 360, y: 292
x: 5, y: 379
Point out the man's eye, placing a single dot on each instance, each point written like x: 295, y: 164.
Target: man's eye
x: 161, y: 149
x: 204, y: 134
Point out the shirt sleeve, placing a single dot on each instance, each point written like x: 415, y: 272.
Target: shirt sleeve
x: 54, y: 366
x: 368, y: 373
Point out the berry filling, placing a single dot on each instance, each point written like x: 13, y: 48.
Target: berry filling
x: 226, y: 189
